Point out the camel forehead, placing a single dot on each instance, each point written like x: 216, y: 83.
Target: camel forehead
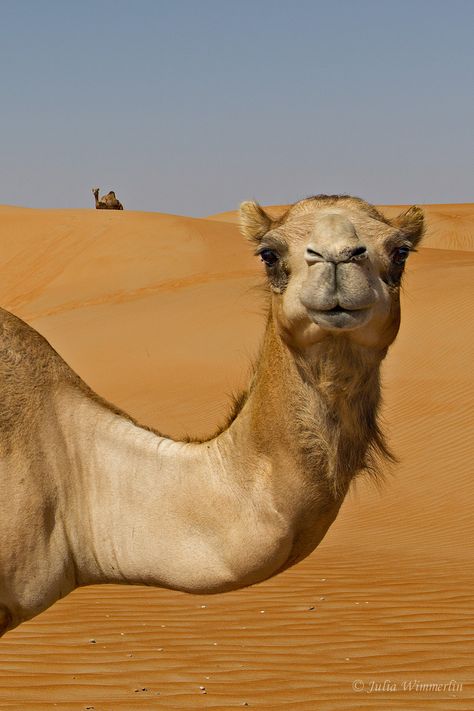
x: 333, y: 225
x: 332, y: 222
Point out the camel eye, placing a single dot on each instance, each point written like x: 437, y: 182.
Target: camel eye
x: 269, y: 257
x: 400, y: 255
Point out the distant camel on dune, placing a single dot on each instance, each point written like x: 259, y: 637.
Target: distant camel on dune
x: 106, y: 202
x: 88, y: 496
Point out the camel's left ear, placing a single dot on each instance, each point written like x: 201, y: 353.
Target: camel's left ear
x: 254, y: 221
x: 411, y: 224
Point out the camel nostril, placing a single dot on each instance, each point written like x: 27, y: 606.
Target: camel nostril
x: 312, y: 256
x: 336, y: 255
x: 358, y: 253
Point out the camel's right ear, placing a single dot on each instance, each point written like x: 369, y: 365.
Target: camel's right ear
x: 254, y: 221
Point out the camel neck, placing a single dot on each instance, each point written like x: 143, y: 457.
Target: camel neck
x: 213, y: 516
x: 317, y: 409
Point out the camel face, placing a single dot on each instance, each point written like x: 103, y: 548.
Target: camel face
x: 334, y: 267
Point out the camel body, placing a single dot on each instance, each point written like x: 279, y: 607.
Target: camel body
x: 95, y: 498
x: 106, y: 202
x: 89, y: 496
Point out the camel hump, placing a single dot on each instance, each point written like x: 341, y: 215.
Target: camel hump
x: 26, y: 356
x: 30, y: 369
x: 111, y: 200
x: 30, y: 372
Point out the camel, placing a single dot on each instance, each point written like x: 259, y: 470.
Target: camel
x: 90, y: 496
x: 106, y: 202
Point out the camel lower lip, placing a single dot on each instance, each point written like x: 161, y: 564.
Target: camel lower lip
x: 339, y: 318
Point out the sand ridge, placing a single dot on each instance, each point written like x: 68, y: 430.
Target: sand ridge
x: 162, y: 314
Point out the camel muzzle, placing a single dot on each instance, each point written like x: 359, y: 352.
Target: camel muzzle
x: 344, y: 285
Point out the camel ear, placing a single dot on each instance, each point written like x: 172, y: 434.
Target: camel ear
x: 254, y: 221
x: 411, y: 224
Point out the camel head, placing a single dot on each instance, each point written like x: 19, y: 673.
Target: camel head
x: 334, y: 265
x: 95, y: 192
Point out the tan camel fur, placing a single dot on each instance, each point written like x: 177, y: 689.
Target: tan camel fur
x: 89, y: 496
x: 106, y: 202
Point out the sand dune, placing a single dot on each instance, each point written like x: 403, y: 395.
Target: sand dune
x: 161, y: 314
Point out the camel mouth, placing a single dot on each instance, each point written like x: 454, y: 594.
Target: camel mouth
x: 338, y: 310
x: 340, y: 318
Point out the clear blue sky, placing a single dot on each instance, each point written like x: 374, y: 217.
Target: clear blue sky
x: 190, y: 106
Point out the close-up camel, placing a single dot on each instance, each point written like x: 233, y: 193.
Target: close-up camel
x: 106, y: 202
x: 90, y: 496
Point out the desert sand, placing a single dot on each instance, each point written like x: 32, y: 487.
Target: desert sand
x: 162, y: 315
